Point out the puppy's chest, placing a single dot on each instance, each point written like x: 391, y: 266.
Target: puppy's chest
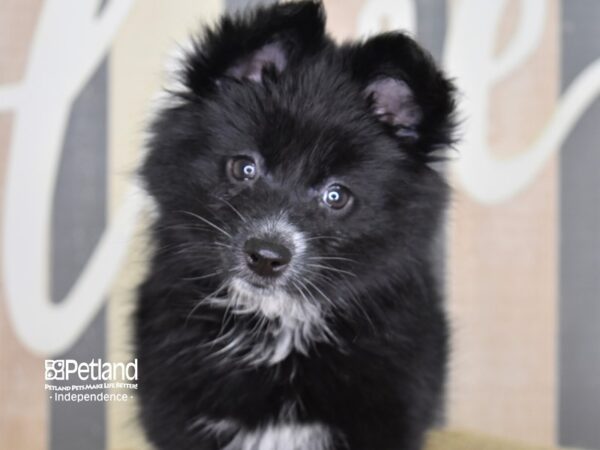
x: 285, y: 432
x: 269, y: 343
x: 285, y: 429
x: 289, y: 436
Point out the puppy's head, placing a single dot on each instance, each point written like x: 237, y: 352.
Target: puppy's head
x: 292, y: 174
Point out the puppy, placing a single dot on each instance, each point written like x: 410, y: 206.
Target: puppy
x: 291, y: 301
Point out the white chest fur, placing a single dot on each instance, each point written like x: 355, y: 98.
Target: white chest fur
x: 300, y: 324
x: 283, y: 437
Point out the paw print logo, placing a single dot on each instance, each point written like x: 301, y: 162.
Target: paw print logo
x: 55, y: 369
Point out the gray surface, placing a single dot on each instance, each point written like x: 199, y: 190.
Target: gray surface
x: 431, y: 31
x: 78, y: 220
x: 431, y: 26
x: 580, y: 242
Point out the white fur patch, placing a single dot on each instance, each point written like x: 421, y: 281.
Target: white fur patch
x: 295, y: 323
x: 283, y: 437
x: 276, y: 436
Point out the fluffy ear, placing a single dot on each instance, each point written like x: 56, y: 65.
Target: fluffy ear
x: 246, y: 45
x: 406, y: 91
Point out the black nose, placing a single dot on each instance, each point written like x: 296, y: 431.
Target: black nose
x: 265, y: 258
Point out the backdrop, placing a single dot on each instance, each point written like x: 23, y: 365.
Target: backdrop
x: 522, y: 245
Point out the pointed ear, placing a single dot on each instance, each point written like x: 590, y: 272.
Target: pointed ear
x: 246, y: 45
x: 405, y: 90
x: 251, y: 66
x: 393, y: 102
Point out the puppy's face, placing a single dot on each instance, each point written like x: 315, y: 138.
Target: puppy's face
x: 291, y: 175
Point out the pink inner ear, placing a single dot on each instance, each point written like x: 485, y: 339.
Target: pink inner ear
x: 394, y: 103
x: 251, y: 66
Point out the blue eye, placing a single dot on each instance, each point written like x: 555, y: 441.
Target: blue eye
x: 337, y: 196
x: 242, y: 168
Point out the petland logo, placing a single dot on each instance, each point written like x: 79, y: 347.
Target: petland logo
x: 95, y: 370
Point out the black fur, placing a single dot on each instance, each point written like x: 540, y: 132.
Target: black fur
x: 309, y: 116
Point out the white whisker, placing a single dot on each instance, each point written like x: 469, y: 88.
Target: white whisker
x: 233, y: 208
x: 208, y: 222
x: 332, y: 269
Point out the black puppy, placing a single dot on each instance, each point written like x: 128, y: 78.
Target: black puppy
x: 291, y: 302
